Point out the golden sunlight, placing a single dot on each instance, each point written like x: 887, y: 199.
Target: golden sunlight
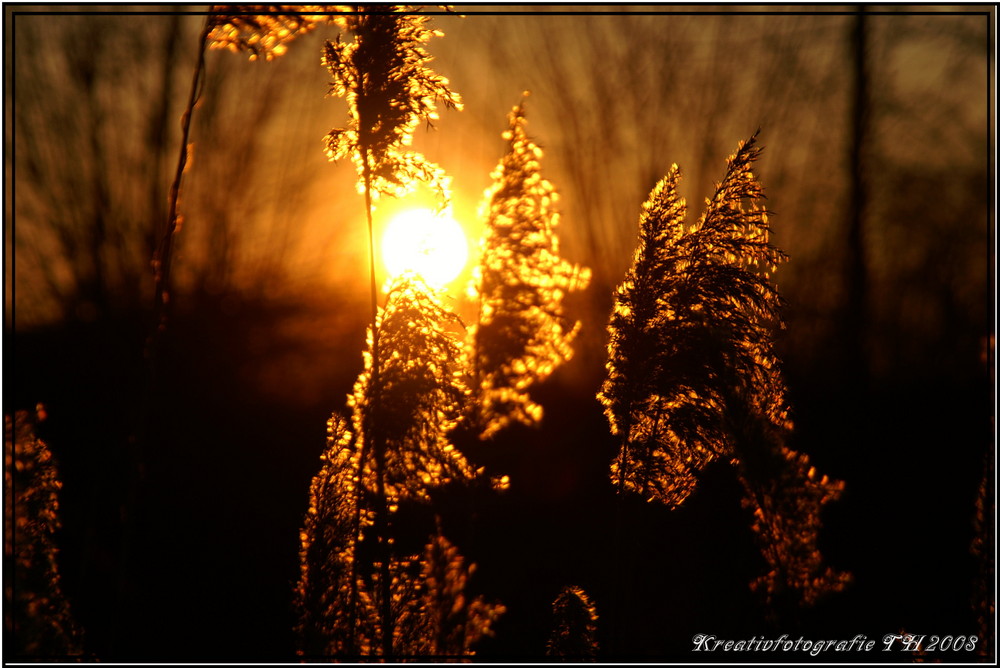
x: 431, y: 245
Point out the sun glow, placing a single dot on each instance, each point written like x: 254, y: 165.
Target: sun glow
x: 432, y: 246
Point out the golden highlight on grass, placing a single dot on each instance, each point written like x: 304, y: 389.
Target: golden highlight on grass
x: 693, y: 376
x: 521, y: 334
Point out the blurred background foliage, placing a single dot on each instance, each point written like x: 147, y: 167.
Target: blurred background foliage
x: 269, y: 301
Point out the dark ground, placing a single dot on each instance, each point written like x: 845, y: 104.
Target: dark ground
x: 201, y: 566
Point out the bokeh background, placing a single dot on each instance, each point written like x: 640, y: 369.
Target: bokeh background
x: 183, y: 499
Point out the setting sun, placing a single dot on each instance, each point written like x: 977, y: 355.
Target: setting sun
x: 431, y: 245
